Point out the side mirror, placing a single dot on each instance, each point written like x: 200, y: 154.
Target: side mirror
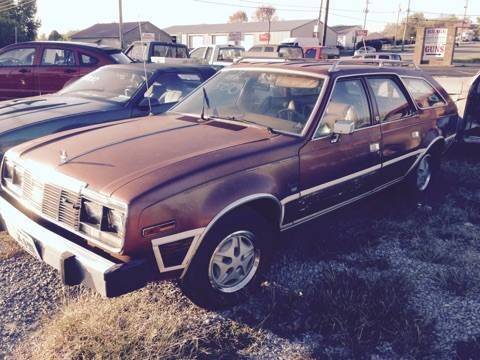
x: 344, y: 127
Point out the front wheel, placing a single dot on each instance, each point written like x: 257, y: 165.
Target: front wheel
x: 230, y: 261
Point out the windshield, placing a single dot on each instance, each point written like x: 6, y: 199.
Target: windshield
x: 270, y: 99
x: 229, y: 54
x: 108, y: 84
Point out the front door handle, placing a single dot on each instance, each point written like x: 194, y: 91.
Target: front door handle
x: 374, y: 147
x: 70, y: 71
x: 416, y: 135
x: 23, y: 71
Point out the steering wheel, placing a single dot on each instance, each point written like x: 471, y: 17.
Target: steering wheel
x: 290, y: 115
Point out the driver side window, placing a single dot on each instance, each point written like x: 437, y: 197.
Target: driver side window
x: 348, y: 102
x: 18, y: 57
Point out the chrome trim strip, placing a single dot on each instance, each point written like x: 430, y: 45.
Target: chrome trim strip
x: 403, y: 157
x: 196, y: 233
x: 335, y: 207
x: 339, y: 180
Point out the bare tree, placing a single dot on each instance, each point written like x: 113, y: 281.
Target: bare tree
x: 266, y: 13
x: 239, y: 16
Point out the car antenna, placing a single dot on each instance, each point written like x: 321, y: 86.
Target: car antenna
x: 206, y: 101
x: 150, y: 113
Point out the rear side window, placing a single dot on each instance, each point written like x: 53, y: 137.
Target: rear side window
x: 348, y: 102
x: 58, y: 57
x: 88, y: 60
x: 18, y: 57
x: 423, y: 93
x: 384, y: 57
x: 208, y: 55
x: 391, y: 101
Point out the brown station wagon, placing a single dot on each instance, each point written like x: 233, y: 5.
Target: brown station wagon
x: 202, y: 192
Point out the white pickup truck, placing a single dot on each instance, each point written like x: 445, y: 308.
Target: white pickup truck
x: 217, y: 55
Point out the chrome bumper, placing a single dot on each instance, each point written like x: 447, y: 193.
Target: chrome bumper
x: 76, y: 264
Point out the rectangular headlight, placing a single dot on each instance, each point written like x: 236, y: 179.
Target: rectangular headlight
x: 8, y: 169
x: 91, y: 213
x: 113, y: 221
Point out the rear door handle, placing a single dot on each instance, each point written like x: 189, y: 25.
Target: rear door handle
x: 23, y: 71
x: 374, y: 147
x: 416, y: 135
x: 70, y: 71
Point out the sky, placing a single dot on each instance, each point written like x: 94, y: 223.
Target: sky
x: 66, y: 15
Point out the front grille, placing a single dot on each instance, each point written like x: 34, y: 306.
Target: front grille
x: 52, y: 201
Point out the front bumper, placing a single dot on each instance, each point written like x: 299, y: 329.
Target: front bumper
x: 76, y: 264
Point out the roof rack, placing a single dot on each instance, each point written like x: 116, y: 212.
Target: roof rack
x: 373, y: 62
x: 334, y: 63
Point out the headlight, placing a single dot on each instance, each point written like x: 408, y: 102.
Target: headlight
x: 91, y: 213
x: 12, y: 176
x: 102, y: 222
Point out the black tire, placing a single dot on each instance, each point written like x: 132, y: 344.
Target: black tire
x: 197, y: 284
x: 424, y: 192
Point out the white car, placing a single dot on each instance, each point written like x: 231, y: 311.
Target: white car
x: 378, y: 56
x: 365, y: 50
x: 217, y: 55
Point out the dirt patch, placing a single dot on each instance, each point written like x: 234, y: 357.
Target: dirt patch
x: 8, y: 247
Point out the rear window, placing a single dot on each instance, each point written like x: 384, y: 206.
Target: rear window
x: 423, y: 93
x: 290, y: 52
x: 169, y: 51
x: 120, y: 58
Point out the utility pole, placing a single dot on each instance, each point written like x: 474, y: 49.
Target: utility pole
x: 366, y: 13
x: 465, y: 15
x: 319, y: 21
x: 325, y: 28
x: 406, y: 26
x: 396, y: 25
x: 120, y: 23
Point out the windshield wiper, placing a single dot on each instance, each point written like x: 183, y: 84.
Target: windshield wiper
x: 233, y: 118
x: 206, y: 101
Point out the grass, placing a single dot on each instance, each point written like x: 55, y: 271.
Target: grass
x: 456, y: 281
x: 8, y: 247
x: 352, y: 311
x: 151, y: 323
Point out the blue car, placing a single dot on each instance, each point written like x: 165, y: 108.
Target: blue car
x: 113, y: 92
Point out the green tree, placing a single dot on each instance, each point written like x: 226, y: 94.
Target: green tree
x: 55, y: 36
x: 20, y: 17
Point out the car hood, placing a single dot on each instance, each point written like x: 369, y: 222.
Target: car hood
x: 23, y: 112
x: 109, y: 156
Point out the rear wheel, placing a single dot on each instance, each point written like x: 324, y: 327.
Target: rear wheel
x: 230, y: 261
x: 422, y: 179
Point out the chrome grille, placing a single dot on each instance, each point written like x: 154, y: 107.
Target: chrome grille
x: 52, y: 201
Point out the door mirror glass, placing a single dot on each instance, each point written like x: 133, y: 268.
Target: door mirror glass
x: 344, y: 127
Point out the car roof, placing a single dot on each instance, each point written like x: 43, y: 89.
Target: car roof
x: 330, y: 69
x: 161, y: 67
x: 68, y: 43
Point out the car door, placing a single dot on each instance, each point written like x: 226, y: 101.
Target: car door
x: 57, y: 67
x: 471, y: 113
x: 335, y: 169
x: 18, y: 73
x: 402, y: 126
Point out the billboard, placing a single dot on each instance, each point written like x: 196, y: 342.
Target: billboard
x: 435, y: 43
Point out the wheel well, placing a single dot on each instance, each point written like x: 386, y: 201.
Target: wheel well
x: 268, y: 208
x: 437, y: 148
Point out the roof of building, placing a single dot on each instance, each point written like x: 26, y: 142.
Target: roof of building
x: 109, y: 30
x: 286, y: 25
x: 342, y: 29
x: 69, y: 43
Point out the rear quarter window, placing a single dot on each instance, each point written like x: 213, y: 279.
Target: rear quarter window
x: 424, y: 94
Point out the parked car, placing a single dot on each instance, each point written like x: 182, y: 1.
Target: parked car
x: 471, y: 113
x: 202, y: 192
x: 364, y: 50
x: 113, y: 92
x: 144, y: 51
x: 376, y: 44
x: 281, y: 51
x: 321, y: 52
x: 218, y: 55
x: 44, y: 67
x: 378, y: 56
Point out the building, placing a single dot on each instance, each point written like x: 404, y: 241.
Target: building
x: 108, y: 34
x: 346, y: 35
x: 246, y: 34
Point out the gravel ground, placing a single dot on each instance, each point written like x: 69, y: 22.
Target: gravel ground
x: 371, y: 238
x: 30, y: 290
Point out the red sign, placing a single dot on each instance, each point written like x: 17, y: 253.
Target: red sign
x: 265, y: 37
x: 361, y: 32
